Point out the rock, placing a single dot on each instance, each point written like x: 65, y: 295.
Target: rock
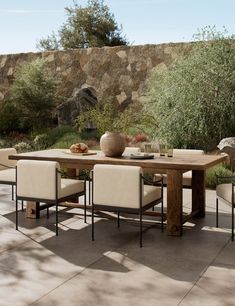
x: 227, y: 145
x: 81, y: 100
x: 227, y: 142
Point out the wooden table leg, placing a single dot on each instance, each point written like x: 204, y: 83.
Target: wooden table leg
x: 71, y: 172
x: 32, y: 210
x: 198, y: 192
x: 174, y: 202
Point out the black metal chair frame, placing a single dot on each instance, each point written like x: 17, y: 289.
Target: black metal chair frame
x: 12, y: 184
x: 223, y: 200
x: 50, y: 202
x: 140, y: 210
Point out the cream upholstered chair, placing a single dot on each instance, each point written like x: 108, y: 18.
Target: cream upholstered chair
x: 7, y: 168
x: 127, y: 152
x: 187, y: 176
x: 41, y: 181
x: 226, y: 193
x: 121, y: 189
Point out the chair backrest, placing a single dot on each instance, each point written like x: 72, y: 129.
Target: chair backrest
x: 116, y: 185
x: 37, y: 179
x: 4, y: 153
x: 187, y: 151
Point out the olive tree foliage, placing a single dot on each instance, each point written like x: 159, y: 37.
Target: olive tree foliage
x: 106, y: 116
x: 90, y: 26
x: 193, y: 101
x: 33, y: 94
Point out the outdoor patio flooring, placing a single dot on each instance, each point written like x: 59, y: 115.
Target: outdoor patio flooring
x: 38, y: 268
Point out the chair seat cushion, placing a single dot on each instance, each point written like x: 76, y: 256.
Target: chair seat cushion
x: 70, y: 186
x: 187, y: 178
x: 8, y: 176
x: 224, y: 191
x: 151, y: 193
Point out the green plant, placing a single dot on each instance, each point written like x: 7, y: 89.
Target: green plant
x: 211, y: 175
x: 67, y: 140
x: 193, y: 101
x: 107, y: 117
x: 23, y: 147
x: 41, y: 141
x: 57, y: 133
x: 33, y: 94
x: 9, y: 117
x: 2, y: 143
x: 91, y: 26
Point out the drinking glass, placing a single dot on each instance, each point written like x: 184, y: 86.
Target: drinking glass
x: 148, y: 147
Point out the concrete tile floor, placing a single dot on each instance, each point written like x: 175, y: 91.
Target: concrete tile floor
x: 38, y: 268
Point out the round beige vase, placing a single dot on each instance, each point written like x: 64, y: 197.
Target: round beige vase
x: 112, y: 144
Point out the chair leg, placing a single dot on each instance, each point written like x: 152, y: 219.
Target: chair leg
x: 12, y: 192
x: 217, y: 212
x: 56, y: 215
x: 118, y: 219
x: 92, y: 224
x: 37, y: 210
x: 153, y: 208
x: 48, y: 215
x: 89, y: 191
x: 22, y: 205
x: 162, y: 227
x: 85, y: 207
x: 16, y: 202
x: 141, y: 244
x: 232, y: 222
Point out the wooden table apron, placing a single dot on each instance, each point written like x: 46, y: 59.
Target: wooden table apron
x: 174, y: 166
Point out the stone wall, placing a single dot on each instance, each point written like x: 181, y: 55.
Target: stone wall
x: 120, y: 73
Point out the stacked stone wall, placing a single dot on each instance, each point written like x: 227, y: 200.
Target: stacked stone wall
x: 120, y: 73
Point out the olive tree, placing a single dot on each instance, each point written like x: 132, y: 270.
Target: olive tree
x: 193, y: 101
x: 90, y: 26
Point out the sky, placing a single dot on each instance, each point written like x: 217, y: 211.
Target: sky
x: 24, y: 22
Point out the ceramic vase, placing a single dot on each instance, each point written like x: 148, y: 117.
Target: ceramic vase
x: 112, y: 144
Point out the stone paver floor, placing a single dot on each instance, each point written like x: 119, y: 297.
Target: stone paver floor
x: 38, y: 268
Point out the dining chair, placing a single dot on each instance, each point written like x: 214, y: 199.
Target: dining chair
x: 121, y: 188
x: 41, y: 182
x: 225, y: 192
x: 7, y: 168
x: 127, y: 152
x: 187, y: 176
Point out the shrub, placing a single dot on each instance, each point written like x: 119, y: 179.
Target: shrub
x: 9, y: 117
x: 220, y: 170
x: 193, y: 101
x: 67, y: 140
x: 2, y: 144
x: 23, y: 147
x: 34, y: 94
x: 41, y: 141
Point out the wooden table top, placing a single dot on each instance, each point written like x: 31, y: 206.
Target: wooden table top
x: 178, y: 162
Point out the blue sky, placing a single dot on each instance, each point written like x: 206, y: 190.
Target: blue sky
x: 23, y: 22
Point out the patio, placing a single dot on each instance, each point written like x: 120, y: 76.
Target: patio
x: 38, y: 268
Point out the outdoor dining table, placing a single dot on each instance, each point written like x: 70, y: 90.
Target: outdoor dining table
x: 174, y: 166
